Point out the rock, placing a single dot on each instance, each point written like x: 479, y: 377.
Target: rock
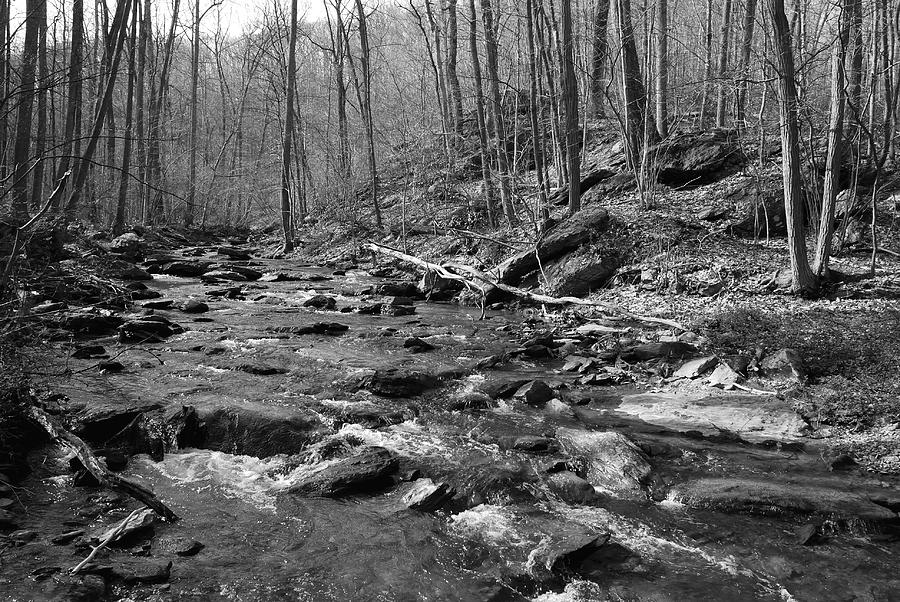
x: 66, y: 538
x: 367, y: 471
x: 839, y: 461
x: 88, y: 351
x: 394, y: 382
x: 758, y: 207
x: 103, y: 418
x: 321, y: 302
x: 560, y: 408
x: 162, y: 304
x: 129, y: 272
x: 598, y: 330
x: 219, y: 275
x: 128, y: 245
x: 91, y: 322
x: 563, y: 553
x: 184, y: 269
x: 535, y: 393
x: 22, y: 537
x: 247, y: 273
x: 806, y: 534
x: 398, y: 289
x: 651, y: 351
x: 537, y: 351
x: 254, y: 429
x: 578, y: 273
x: 194, y: 306
x: 369, y: 415
x: 785, y: 363
x: 394, y: 301
x: 614, y: 463
x: 141, y: 571
x: 724, y: 376
x: 698, y: 158
x: 571, y: 488
x: 116, y: 461
x: 427, y: 496
x: 139, y: 524
x: 330, y: 328
x: 777, y: 497
x: 110, y: 367
x: 148, y: 329
x: 695, y: 368
x: 417, y: 345
x: 397, y: 310
x: 86, y: 588
x: 233, y: 253
x: 471, y: 400
x: 528, y: 443
x: 261, y: 369
x: 502, y: 389
x: 188, y: 547
x: 565, y: 236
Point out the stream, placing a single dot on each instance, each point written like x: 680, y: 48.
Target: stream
x: 733, y: 478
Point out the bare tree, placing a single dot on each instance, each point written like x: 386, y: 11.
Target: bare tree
x: 662, y: 67
x: 570, y: 93
x: 366, y: 109
x: 722, y: 64
x: 287, y: 214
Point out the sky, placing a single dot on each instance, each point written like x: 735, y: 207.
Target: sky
x: 235, y: 13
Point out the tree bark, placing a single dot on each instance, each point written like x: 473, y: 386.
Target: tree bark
x: 42, y: 90
x: 537, y: 131
x: 599, y: 56
x: 287, y: 214
x: 366, y: 110
x: 570, y: 92
x: 722, y: 65
x: 662, y: 67
x: 125, y: 174
x: 499, y: 130
x: 633, y: 91
x: 452, y: 60
x: 834, y: 156
x: 803, y: 278
x: 744, y: 69
x: 195, y: 111
x: 481, y: 118
x: 22, y: 148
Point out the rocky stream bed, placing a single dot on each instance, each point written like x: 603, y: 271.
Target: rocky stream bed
x: 329, y: 435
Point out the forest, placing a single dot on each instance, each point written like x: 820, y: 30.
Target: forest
x: 552, y: 300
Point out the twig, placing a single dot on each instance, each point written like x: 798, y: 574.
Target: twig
x: 109, y: 539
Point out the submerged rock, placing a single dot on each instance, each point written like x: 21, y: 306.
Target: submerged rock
x: 321, y: 302
x: 395, y: 382
x: 148, y: 329
x: 535, y: 393
x: 367, y: 471
x: 427, y: 496
x: 614, y: 462
x: 571, y: 488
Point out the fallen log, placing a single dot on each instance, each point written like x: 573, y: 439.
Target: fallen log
x: 66, y: 438
x: 488, y: 283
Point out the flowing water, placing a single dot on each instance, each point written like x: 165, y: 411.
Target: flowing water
x: 263, y: 543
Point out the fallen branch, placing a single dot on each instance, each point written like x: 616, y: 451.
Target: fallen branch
x: 488, y: 283
x: 880, y: 250
x: 109, y: 539
x: 66, y: 438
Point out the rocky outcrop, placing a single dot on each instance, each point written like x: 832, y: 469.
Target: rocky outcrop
x: 614, y: 463
x: 697, y: 158
x: 578, y: 273
x: 148, y: 329
x: 368, y: 470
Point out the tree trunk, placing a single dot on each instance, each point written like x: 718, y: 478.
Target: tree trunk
x: 366, y: 109
x: 287, y: 214
x: 499, y: 131
x: 834, y: 156
x: 117, y: 34
x: 744, y: 70
x: 195, y: 110
x: 803, y: 278
x: 722, y: 67
x: 42, y: 90
x: 125, y: 175
x: 22, y: 149
x: 662, y: 68
x: 481, y: 118
x: 599, y: 55
x: 708, y: 64
x: 633, y: 92
x: 452, y: 76
x: 537, y: 132
x: 570, y: 92
x: 72, y: 131
x: 4, y: 84
x: 140, y: 82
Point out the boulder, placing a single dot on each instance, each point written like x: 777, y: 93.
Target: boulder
x: 578, y: 273
x: 139, y: 524
x: 697, y: 158
x: 368, y: 470
x: 255, y: 429
x: 148, y: 329
x: 103, y: 418
x: 614, y: 462
x: 563, y: 553
x: 785, y: 363
x: 331, y: 328
x: 137, y: 570
x: 398, y: 289
x: 427, y: 496
x: 128, y: 245
x: 571, y: 488
x: 776, y: 497
x: 417, y: 345
x: 184, y: 269
x: 528, y: 443
x: 565, y: 236
x: 724, y: 376
x: 394, y: 382
x: 194, y: 306
x: 757, y: 208
x: 535, y: 393
x: 90, y: 321
x: 695, y: 368
x: 321, y: 302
